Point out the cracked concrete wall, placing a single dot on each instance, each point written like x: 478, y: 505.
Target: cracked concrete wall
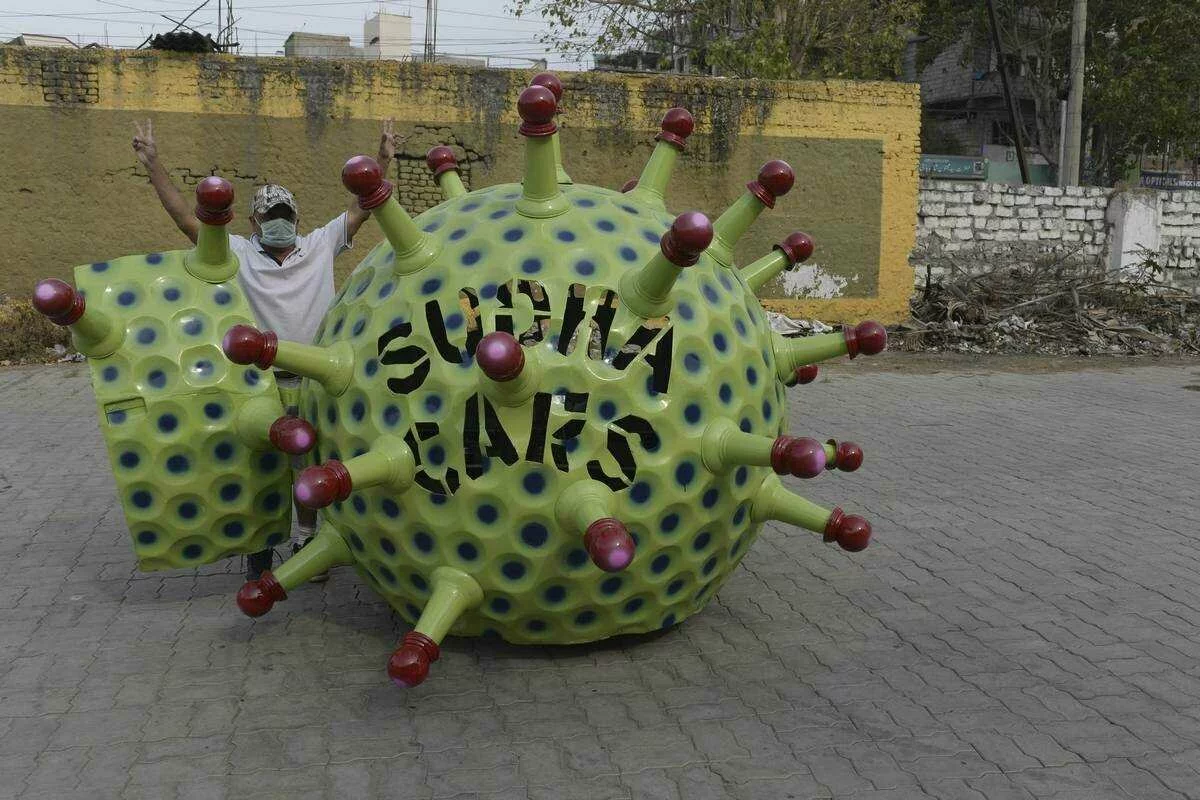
x: 75, y: 193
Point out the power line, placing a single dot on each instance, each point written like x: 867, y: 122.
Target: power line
x: 142, y: 22
x: 269, y: 7
x: 460, y: 36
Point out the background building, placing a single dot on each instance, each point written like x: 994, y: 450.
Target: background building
x: 42, y: 40
x: 964, y: 111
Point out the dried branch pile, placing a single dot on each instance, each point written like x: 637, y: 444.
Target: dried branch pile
x: 1052, y: 308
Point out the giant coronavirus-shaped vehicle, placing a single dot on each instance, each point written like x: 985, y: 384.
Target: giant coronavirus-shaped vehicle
x: 546, y: 411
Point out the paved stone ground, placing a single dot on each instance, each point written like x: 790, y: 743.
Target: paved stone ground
x: 1027, y: 624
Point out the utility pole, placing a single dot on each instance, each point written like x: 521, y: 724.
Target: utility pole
x: 431, y: 30
x: 1014, y: 116
x: 1069, y: 169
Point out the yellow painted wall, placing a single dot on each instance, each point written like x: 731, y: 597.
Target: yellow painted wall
x: 72, y: 191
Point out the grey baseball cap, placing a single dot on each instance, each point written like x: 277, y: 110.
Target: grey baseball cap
x: 271, y: 195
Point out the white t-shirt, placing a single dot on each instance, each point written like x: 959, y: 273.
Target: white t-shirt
x: 291, y: 298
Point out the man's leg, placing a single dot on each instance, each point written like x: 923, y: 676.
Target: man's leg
x: 306, y: 529
x: 258, y: 563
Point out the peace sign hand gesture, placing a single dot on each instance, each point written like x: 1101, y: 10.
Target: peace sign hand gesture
x: 388, y: 142
x: 144, y: 145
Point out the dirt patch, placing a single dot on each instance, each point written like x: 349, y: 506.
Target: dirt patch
x: 26, y: 337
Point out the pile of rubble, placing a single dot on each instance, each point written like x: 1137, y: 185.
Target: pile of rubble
x: 1052, y: 309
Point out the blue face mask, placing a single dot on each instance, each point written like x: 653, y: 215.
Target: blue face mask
x: 277, y: 233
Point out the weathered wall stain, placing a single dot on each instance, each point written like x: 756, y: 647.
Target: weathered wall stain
x: 75, y: 192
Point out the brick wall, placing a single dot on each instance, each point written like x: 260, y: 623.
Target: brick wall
x: 1179, y: 228
x: 975, y: 223
x: 975, y: 227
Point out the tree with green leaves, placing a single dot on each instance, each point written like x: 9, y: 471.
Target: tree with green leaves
x: 1141, y: 84
x: 770, y: 39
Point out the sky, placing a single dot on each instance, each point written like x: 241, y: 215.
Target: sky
x: 464, y: 27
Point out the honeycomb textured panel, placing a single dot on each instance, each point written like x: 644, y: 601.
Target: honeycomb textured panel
x: 192, y: 491
x: 495, y: 520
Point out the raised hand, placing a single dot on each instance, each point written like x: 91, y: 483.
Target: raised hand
x: 388, y: 142
x: 143, y: 143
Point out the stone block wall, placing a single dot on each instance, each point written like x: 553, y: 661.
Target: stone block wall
x: 973, y: 225
x: 1179, y: 227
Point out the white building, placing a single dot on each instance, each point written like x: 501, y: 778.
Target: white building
x: 386, y: 37
x: 42, y: 40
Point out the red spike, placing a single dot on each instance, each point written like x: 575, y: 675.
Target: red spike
x: 244, y: 344
x: 686, y: 239
x: 409, y: 664
x: 363, y: 177
x: 629, y: 185
x: 850, y: 531
x: 550, y: 81
x: 319, y: 486
x: 257, y: 597
x: 799, y: 457
x: 609, y: 544
x: 848, y: 458
x: 677, y: 126
x: 500, y: 356
x: 441, y: 159
x: 797, y: 247
x: 802, y: 375
x: 537, y: 108
x: 775, y: 179
x: 58, y: 301
x: 214, y: 201
x: 868, y: 338
x: 293, y: 435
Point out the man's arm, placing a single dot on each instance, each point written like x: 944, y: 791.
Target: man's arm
x: 355, y: 216
x: 179, y: 209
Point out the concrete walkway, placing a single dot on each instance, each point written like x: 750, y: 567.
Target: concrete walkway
x: 1027, y: 624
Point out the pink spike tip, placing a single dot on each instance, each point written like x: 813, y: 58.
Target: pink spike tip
x: 550, y: 81
x: 609, y: 544
x: 323, y: 485
x: 803, y: 375
x: 293, y: 435
x: 441, y: 159
x: 500, y: 356
x: 58, y: 301
x: 800, y: 457
x: 796, y: 248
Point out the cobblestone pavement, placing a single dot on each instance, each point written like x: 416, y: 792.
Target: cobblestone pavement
x: 1027, y: 624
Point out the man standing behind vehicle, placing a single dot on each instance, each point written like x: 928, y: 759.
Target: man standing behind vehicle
x: 287, y: 278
